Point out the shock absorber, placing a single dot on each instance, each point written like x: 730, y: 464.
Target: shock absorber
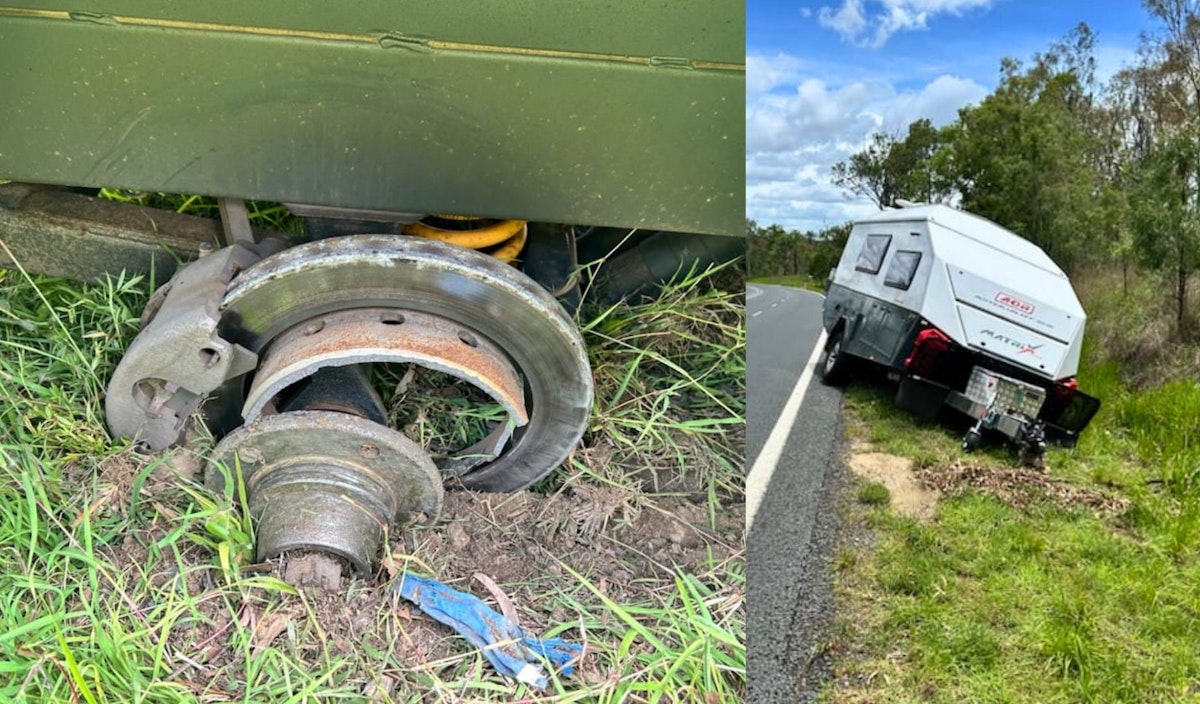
x: 503, y: 239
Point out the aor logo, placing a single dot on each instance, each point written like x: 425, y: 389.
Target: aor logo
x: 1020, y: 347
x: 1015, y: 303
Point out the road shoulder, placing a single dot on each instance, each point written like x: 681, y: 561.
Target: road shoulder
x: 789, y: 634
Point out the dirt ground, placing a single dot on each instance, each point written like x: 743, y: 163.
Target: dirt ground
x: 915, y: 492
x: 626, y: 543
x: 909, y: 497
x: 1019, y: 488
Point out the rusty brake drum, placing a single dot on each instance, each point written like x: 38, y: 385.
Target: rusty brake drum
x: 500, y: 312
x: 378, y: 298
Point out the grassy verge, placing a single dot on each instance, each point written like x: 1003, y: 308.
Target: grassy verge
x: 1080, y: 586
x: 123, y: 580
x: 798, y: 281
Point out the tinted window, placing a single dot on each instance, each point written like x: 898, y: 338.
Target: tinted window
x: 902, y: 269
x: 872, y: 254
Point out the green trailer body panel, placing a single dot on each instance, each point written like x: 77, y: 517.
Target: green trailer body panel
x: 627, y: 115
x: 708, y: 30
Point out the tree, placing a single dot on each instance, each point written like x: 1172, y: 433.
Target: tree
x: 913, y: 162
x: 889, y: 169
x: 1163, y: 97
x: 868, y: 173
x: 774, y: 251
x: 1025, y: 157
x: 827, y: 249
x: 1166, y: 221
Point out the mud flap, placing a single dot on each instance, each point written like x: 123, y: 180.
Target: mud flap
x: 1069, y: 410
x: 921, y: 397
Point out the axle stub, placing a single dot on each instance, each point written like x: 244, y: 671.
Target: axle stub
x: 327, y: 481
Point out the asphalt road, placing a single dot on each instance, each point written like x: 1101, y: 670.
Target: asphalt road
x: 794, y: 531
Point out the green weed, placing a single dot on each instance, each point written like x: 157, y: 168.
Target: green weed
x: 874, y: 494
x: 1044, y: 602
x: 670, y: 385
x: 122, y: 580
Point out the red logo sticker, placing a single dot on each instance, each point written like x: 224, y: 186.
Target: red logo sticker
x: 1015, y: 303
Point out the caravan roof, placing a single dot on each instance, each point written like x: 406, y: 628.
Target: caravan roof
x: 982, y: 247
x: 972, y: 227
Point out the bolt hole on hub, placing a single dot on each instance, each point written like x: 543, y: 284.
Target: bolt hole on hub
x: 350, y: 380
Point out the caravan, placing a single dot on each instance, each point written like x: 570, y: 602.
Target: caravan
x: 965, y: 314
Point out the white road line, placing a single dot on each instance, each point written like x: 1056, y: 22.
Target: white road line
x: 756, y: 313
x: 768, y: 458
x: 753, y: 292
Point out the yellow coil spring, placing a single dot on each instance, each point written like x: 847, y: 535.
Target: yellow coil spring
x: 507, y: 236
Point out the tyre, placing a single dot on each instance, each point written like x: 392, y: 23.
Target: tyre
x: 971, y: 441
x: 833, y: 366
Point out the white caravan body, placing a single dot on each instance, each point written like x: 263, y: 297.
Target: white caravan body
x: 986, y: 288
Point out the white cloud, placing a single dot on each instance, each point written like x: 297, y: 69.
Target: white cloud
x: 764, y: 73
x: 870, y: 23
x: 821, y: 204
x: 848, y: 21
x: 774, y: 122
x: 939, y: 101
x: 801, y: 126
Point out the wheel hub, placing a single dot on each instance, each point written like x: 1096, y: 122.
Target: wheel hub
x: 327, y: 481
x: 298, y: 317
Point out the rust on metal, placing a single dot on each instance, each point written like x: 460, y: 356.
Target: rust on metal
x: 386, y: 335
x: 311, y: 486
x: 495, y: 302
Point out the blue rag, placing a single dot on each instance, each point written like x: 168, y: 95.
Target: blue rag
x: 483, y: 627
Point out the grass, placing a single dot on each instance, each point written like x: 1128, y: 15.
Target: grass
x: 670, y: 391
x: 123, y: 580
x: 811, y: 283
x: 670, y: 377
x: 269, y: 216
x: 442, y: 413
x: 874, y: 494
x: 1047, y: 601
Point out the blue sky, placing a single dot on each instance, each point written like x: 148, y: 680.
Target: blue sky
x: 822, y: 75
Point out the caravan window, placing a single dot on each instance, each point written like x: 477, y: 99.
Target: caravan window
x: 872, y: 254
x: 900, y: 272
